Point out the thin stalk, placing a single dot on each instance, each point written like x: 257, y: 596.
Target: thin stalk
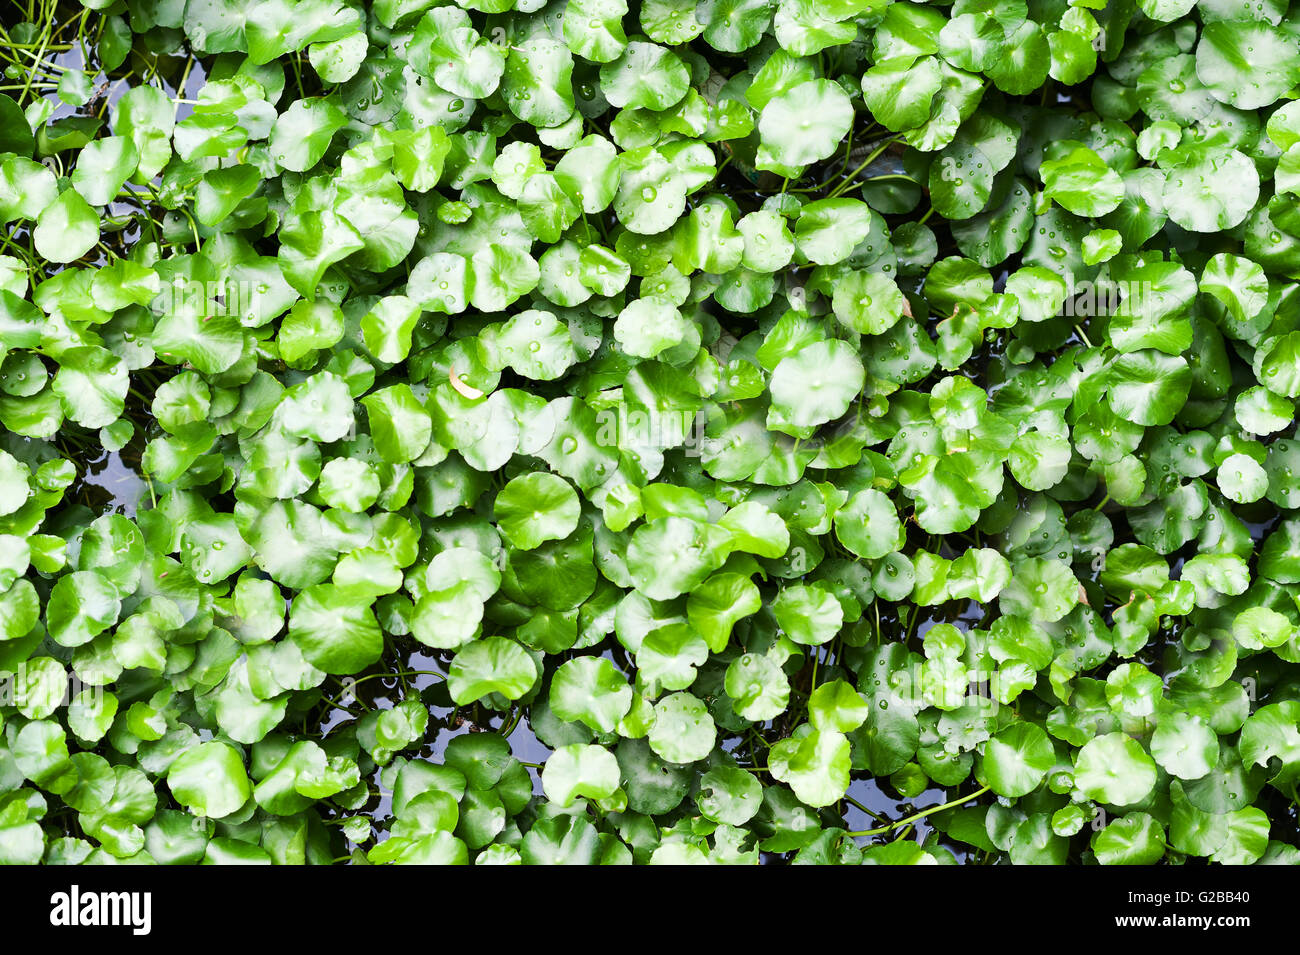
x: 40, y: 52
x: 180, y: 87
x: 869, y: 811
x: 921, y: 815
x: 847, y: 181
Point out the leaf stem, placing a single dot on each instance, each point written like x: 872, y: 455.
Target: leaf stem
x: 870, y: 812
x: 920, y: 815
x: 847, y: 182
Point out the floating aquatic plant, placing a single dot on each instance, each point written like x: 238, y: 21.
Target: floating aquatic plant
x: 507, y: 431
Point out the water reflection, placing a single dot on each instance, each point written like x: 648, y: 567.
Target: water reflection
x: 118, y: 486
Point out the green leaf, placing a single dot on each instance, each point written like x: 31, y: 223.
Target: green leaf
x: 537, y: 85
x: 670, y: 556
x: 643, y: 76
x: 1133, y: 839
x: 66, y: 229
x: 387, y: 328
x: 718, y: 604
x: 209, y: 780
x: 1246, y: 65
x: 335, y: 629
x: 82, y: 606
x: 447, y: 48
x: 837, y: 706
x: 14, y: 485
x: 1211, y: 190
x: 102, y: 167
x: 647, y: 327
x: 491, y: 665
x: 399, y: 424
x: 1184, y: 745
x: 1016, y: 760
x: 868, y: 302
x: 683, y: 731
x: 814, y: 386
x: 534, y: 508
x: 809, y: 615
x: 592, y: 691
x: 729, y: 795
x: 815, y: 764
x: 757, y: 686
x: 1148, y: 388
x: 1081, y: 182
x: 803, y: 124
x: 26, y: 187
x: 1114, y: 769
x: 1042, y: 589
